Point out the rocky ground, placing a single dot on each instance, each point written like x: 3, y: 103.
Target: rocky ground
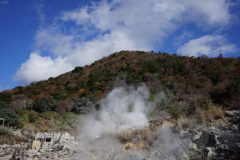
x: 217, y: 140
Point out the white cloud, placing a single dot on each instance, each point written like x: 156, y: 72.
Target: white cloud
x: 38, y: 68
x: 4, y: 2
x: 38, y: 7
x: 81, y: 36
x: 210, y: 45
x: 214, y: 12
x: 51, y: 40
x: 182, y: 38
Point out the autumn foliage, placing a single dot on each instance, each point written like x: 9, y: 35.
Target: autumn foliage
x: 189, y: 82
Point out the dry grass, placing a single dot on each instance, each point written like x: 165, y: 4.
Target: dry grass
x: 29, y: 131
x: 186, y: 122
x: 202, y: 116
x: 142, y: 138
x: 7, y: 136
x: 214, y: 112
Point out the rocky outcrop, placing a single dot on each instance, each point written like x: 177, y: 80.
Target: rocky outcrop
x: 218, y: 140
x: 59, y: 146
x: 13, y: 152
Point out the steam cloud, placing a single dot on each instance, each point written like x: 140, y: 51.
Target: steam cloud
x: 124, y: 109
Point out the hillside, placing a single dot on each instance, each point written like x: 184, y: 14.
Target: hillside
x: 194, y: 81
x: 184, y: 90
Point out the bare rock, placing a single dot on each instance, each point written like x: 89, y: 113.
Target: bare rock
x: 233, y: 113
x: 57, y: 147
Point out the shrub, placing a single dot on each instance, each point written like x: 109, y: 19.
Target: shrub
x: 153, y: 67
x: 186, y: 122
x: 217, y: 95
x: 45, y: 104
x: 20, y: 102
x: 175, y: 112
x: 82, y: 106
x: 5, y: 131
x: 58, y: 95
x: 32, y: 118
x: 215, y: 78
x: 40, y: 105
x: 92, y: 78
x: 9, y: 115
x: 77, y: 69
x: 191, y: 108
x: 6, y: 97
x: 233, y: 86
x: 3, y: 105
x: 51, y: 103
x: 29, y: 131
x: 204, y: 102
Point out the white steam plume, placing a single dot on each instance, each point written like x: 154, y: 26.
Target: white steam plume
x: 122, y: 109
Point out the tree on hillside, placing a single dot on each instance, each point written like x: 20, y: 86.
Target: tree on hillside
x: 65, y: 105
x: 6, y: 97
x: 3, y: 105
x: 20, y: 102
x: 40, y: 105
x: 51, y: 103
x: 45, y: 104
x: 82, y: 106
x: 9, y: 115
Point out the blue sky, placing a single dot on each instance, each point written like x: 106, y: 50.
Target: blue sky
x: 45, y: 38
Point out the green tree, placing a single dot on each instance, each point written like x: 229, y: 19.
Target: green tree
x: 77, y: 69
x: 92, y: 79
x: 45, y: 104
x: 215, y: 78
x: 3, y: 105
x: 82, y: 106
x: 32, y: 118
x: 233, y: 86
x: 153, y: 67
x: 51, y: 103
x: 9, y: 115
x: 40, y: 105
x: 6, y: 97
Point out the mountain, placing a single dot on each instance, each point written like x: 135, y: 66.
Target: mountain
x: 193, y: 81
x: 177, y: 99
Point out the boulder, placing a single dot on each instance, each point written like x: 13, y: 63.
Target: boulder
x: 212, y: 140
x: 234, y: 127
x: 235, y: 120
x: 223, y: 146
x: 233, y: 113
x: 57, y: 147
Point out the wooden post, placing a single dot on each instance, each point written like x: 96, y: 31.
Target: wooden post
x: 14, y: 156
x: 23, y: 153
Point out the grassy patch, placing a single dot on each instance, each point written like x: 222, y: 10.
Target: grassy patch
x: 214, y: 112
x: 7, y: 136
x: 48, y: 121
x: 184, y: 122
